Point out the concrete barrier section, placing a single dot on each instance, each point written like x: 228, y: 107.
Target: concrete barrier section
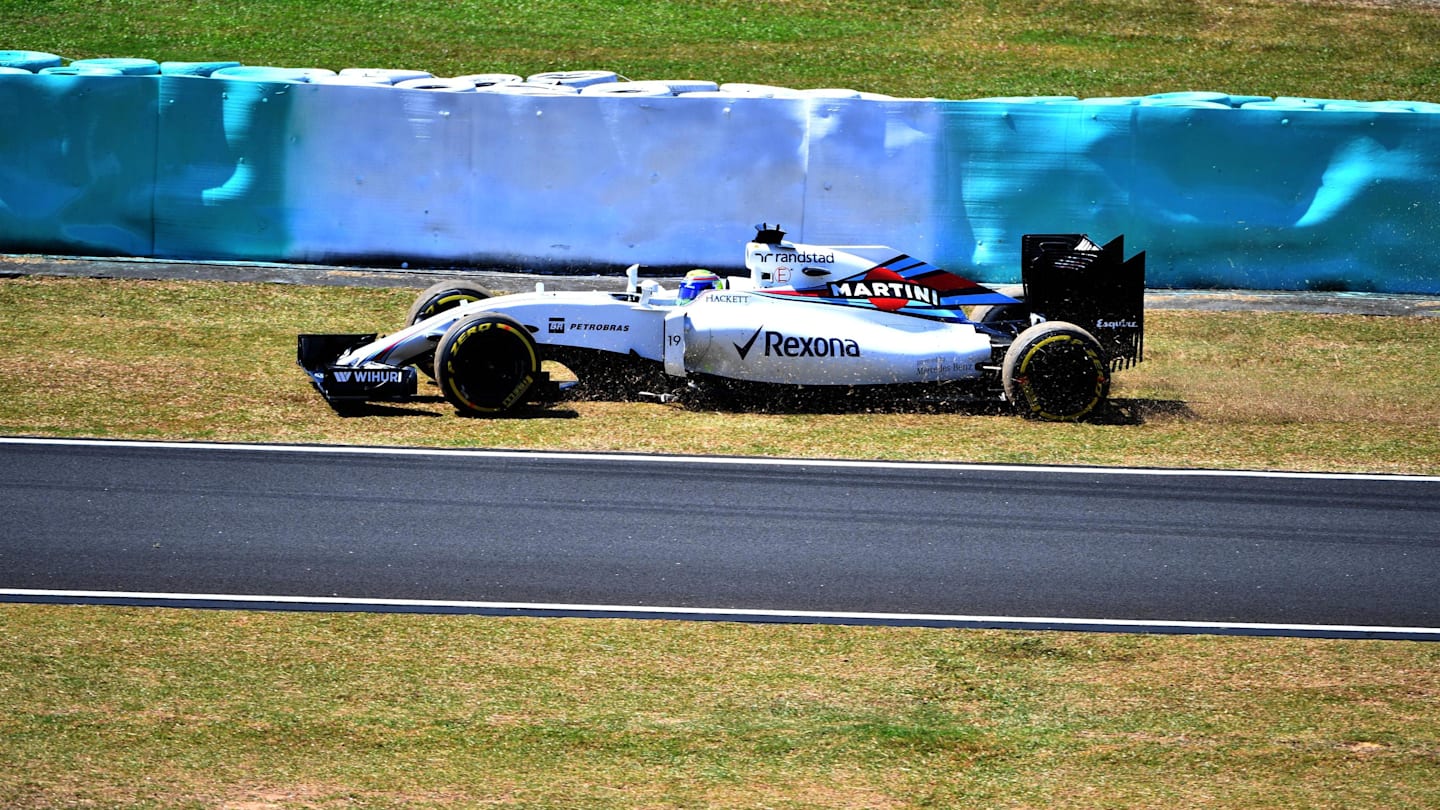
x: 77, y: 163
x: 1220, y: 190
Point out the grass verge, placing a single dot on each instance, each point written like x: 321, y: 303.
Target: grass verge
x: 215, y: 361
x: 127, y: 707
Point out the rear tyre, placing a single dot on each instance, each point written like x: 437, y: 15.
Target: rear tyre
x: 994, y: 314
x: 486, y: 363
x: 442, y: 296
x: 1056, y: 371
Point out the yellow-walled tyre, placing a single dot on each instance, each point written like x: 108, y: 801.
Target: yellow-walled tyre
x: 442, y: 296
x: 1056, y: 371
x: 486, y: 363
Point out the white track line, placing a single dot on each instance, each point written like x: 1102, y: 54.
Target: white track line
x: 332, y: 603
x: 743, y: 461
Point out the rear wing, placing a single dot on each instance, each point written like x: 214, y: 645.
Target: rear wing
x: 1070, y: 278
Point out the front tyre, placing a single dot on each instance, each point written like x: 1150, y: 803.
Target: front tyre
x: 438, y: 298
x: 1056, y: 371
x: 486, y: 363
x: 442, y: 296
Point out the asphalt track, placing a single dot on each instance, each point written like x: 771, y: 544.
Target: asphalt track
x: 524, y: 533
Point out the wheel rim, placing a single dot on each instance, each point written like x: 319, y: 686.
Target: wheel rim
x: 1062, y: 378
x: 489, y: 367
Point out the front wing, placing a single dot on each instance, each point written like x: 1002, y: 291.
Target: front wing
x: 374, y: 382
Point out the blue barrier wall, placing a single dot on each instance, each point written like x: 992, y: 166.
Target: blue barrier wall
x: 1299, y: 194
x: 77, y: 164
x: 1259, y: 198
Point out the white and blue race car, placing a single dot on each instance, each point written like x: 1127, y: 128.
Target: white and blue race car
x: 821, y: 317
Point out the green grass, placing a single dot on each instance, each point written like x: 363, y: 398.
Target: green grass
x: 966, y: 49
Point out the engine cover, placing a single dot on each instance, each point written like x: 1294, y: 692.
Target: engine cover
x: 750, y: 335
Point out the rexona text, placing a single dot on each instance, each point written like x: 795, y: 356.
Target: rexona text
x: 780, y: 345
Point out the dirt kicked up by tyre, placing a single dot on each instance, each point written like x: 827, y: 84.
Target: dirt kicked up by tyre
x: 805, y: 317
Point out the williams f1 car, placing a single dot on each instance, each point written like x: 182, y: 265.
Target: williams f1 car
x: 812, y: 316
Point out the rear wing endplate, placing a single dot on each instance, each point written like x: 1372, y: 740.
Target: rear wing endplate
x: 1070, y: 278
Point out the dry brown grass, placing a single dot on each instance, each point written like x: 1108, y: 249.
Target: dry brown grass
x: 131, y: 707
x: 216, y: 361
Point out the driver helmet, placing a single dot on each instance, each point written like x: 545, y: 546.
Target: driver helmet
x: 696, y: 282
